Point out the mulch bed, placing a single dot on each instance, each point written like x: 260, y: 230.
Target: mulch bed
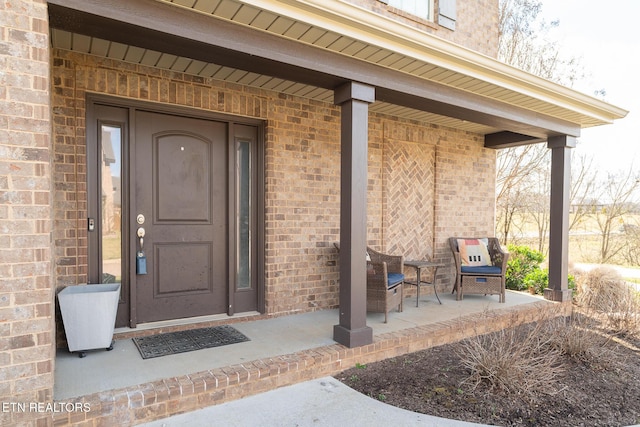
x: 600, y: 392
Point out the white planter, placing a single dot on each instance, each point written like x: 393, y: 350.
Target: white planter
x: 89, y: 315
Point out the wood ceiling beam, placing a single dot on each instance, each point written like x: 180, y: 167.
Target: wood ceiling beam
x: 509, y: 139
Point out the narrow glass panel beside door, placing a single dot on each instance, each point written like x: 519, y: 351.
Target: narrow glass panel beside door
x: 244, y: 215
x: 111, y: 203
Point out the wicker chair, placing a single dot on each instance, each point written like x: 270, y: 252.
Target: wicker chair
x: 385, y: 279
x: 485, y: 280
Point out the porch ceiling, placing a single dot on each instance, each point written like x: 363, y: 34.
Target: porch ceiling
x: 122, y: 52
x: 312, y: 42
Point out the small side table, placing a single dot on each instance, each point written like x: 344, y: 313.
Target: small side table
x: 419, y: 265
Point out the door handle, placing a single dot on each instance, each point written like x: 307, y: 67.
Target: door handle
x: 140, y: 234
x: 141, y: 259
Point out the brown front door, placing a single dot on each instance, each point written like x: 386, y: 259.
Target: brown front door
x: 181, y: 181
x: 193, y: 183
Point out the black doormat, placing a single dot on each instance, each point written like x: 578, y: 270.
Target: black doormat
x: 183, y: 341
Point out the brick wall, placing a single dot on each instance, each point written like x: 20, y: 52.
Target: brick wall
x: 465, y: 192
x: 476, y: 26
x: 408, y: 188
x: 410, y: 164
x: 26, y: 321
x: 451, y: 191
x: 302, y: 204
x: 476, y: 23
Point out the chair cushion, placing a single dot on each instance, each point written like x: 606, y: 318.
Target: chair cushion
x: 489, y: 269
x: 474, y: 252
x: 394, y: 278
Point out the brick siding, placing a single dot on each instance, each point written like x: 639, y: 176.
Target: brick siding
x: 26, y: 320
x: 476, y: 23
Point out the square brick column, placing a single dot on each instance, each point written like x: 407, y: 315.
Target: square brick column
x: 354, y: 99
x: 559, y: 221
x: 26, y: 285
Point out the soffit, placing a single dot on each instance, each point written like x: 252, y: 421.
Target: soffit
x: 344, y: 28
x: 122, y: 52
x: 352, y: 32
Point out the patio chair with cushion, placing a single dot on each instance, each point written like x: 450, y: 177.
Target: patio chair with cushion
x: 481, y: 265
x: 385, y: 279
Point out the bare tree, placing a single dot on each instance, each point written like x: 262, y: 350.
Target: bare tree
x: 522, y: 173
x: 516, y: 165
x: 525, y: 42
x: 539, y: 205
x: 583, y: 187
x: 516, y: 168
x: 619, y: 197
x: 631, y: 233
x: 508, y: 216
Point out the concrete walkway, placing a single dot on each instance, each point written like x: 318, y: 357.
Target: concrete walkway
x: 324, y: 402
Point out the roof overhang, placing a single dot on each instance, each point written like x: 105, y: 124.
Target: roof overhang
x: 311, y: 47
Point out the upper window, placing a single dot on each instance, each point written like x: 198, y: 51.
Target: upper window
x: 419, y: 8
x: 424, y: 9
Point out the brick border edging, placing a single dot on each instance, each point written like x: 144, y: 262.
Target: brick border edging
x: 177, y: 395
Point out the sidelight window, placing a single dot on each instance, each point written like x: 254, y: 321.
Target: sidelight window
x: 244, y: 214
x: 111, y: 202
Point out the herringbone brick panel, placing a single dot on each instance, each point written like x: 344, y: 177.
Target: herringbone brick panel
x: 408, y: 197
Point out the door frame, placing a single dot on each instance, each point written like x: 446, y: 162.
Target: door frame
x: 128, y: 303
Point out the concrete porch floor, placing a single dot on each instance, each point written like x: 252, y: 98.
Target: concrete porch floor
x: 299, y: 346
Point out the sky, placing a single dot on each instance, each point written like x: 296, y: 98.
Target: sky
x: 606, y: 37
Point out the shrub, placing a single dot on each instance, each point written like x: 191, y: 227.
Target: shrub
x: 602, y: 290
x: 576, y: 337
x: 519, y: 361
x: 522, y: 261
x: 538, y: 280
x: 524, y: 272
